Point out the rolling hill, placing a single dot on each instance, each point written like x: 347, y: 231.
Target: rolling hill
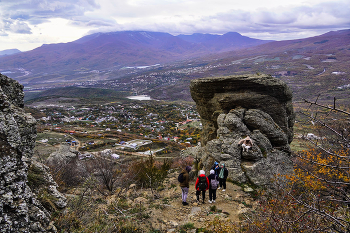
x: 113, y: 51
x: 310, y: 66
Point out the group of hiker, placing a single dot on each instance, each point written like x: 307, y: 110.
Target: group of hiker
x: 216, y: 180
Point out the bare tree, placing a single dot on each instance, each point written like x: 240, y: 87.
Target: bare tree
x: 109, y: 174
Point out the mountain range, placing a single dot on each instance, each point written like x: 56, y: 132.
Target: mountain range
x: 115, y: 50
x: 162, y: 65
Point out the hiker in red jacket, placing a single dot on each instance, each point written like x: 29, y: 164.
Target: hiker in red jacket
x: 202, y: 184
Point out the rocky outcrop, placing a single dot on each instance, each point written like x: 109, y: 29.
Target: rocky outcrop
x: 20, y: 209
x: 233, y: 107
x: 214, y: 96
x: 64, y: 154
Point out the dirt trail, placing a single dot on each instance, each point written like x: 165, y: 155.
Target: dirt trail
x: 229, y: 204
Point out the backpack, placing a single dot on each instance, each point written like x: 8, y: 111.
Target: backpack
x: 214, y: 183
x: 181, y: 178
x: 202, y: 183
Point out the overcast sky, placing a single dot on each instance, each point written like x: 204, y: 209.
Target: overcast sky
x: 27, y: 24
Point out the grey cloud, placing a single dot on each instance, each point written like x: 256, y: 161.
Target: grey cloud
x: 83, y: 21
x: 3, y: 33
x: 25, y: 9
x: 21, y: 12
x: 329, y: 15
x: 20, y: 27
x: 100, y: 23
x: 36, y: 20
x: 287, y: 21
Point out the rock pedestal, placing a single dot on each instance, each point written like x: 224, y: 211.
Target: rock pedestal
x: 233, y: 107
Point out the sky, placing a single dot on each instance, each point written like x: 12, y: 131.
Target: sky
x: 27, y: 24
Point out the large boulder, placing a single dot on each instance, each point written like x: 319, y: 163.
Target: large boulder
x: 234, y: 107
x: 20, y: 210
x: 64, y: 154
x: 221, y: 94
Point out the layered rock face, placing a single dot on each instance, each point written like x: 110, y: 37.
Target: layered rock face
x: 20, y: 210
x: 234, y: 107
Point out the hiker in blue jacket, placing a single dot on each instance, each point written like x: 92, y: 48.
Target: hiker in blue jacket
x: 215, y: 167
x: 214, y: 181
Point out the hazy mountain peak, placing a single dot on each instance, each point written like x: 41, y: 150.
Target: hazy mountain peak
x: 9, y: 52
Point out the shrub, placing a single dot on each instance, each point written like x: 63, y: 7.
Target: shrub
x: 220, y: 225
x: 186, y: 226
x: 150, y: 173
x: 182, y: 162
x: 107, y: 174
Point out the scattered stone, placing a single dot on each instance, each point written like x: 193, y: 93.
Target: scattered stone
x: 248, y: 189
x: 175, y: 224
x: 195, y: 210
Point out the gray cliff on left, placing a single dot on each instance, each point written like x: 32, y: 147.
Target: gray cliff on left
x: 20, y: 209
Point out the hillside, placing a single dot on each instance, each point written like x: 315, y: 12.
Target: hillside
x: 104, y: 52
x: 311, y: 66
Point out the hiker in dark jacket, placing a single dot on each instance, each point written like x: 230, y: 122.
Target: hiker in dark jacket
x: 212, y: 188
x: 202, y: 184
x: 215, y: 167
x: 223, y: 173
x: 185, y: 185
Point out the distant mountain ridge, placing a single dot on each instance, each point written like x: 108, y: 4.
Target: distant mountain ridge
x: 114, y: 50
x: 329, y: 41
x: 161, y: 65
x: 9, y: 52
x: 223, y: 43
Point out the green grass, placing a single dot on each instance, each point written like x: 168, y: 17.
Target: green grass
x: 298, y: 145
x: 53, y: 138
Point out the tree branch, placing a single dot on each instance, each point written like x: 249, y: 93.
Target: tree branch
x: 327, y: 107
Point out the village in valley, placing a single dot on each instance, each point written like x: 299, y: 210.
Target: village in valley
x: 130, y: 128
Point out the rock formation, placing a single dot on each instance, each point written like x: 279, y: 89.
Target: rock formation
x: 20, y: 209
x: 233, y: 107
x: 64, y: 154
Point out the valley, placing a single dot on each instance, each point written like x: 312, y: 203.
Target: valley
x: 311, y: 66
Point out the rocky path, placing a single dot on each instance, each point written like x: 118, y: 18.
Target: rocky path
x: 162, y: 211
x: 172, y: 214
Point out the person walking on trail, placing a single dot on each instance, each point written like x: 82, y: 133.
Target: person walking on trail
x: 185, y: 185
x: 202, y: 184
x: 214, y: 182
x: 223, y: 173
